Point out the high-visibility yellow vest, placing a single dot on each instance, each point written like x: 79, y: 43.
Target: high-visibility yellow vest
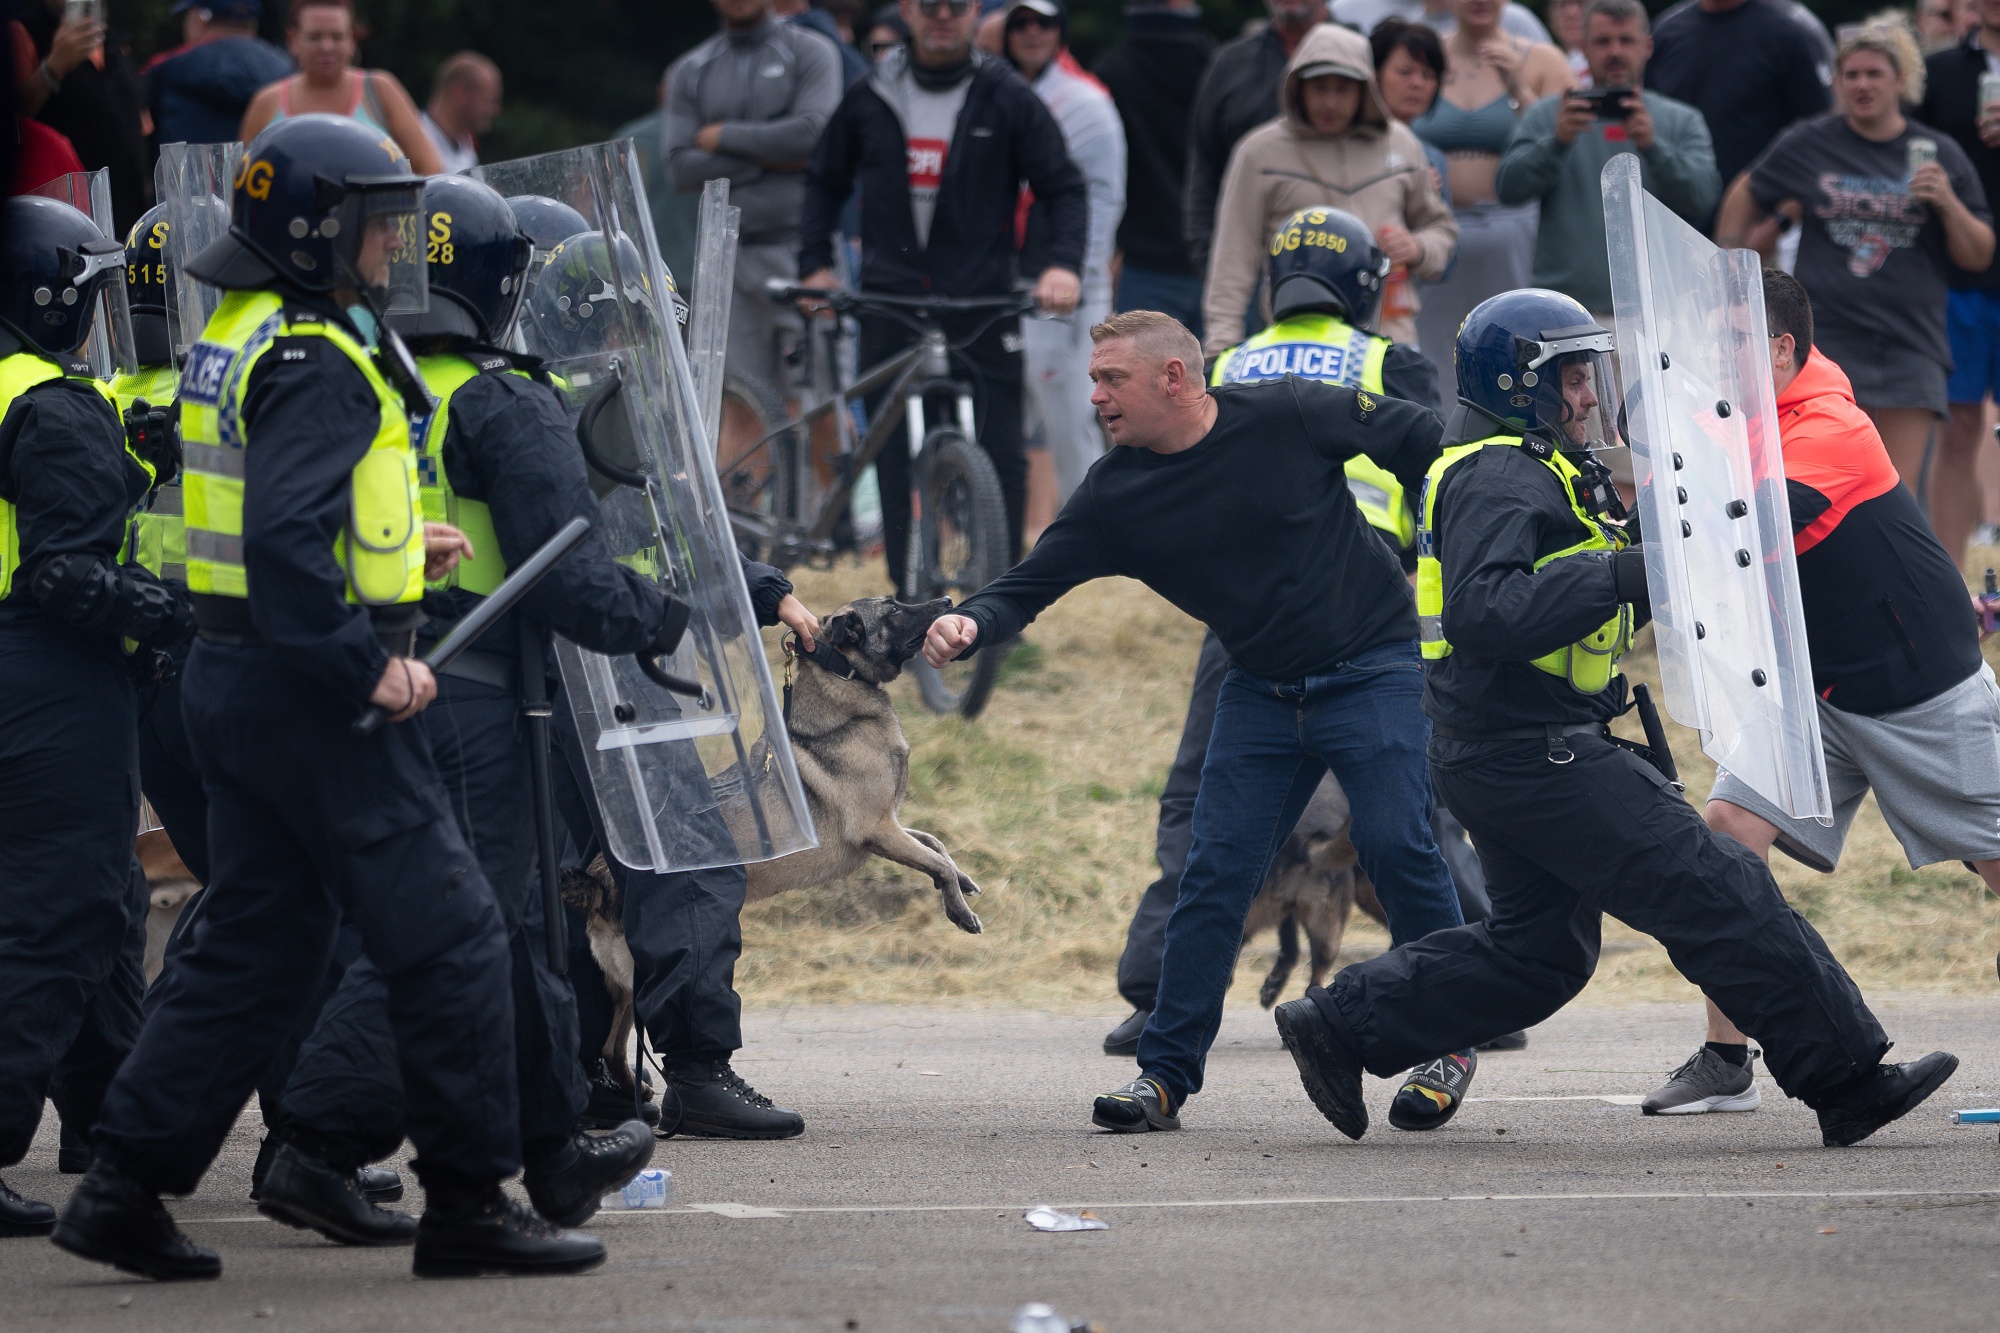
x: 19, y: 373
x: 159, y: 539
x: 1589, y: 663
x: 382, y: 547
x: 445, y: 376
x: 1324, y: 347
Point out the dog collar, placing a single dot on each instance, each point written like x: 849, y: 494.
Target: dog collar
x: 823, y: 656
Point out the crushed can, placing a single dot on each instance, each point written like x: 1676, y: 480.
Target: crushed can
x: 651, y: 1188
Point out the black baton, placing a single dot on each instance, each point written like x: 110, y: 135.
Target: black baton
x: 1656, y: 736
x: 503, y: 599
x: 535, y: 712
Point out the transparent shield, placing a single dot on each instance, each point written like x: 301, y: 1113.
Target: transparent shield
x: 1703, y: 425
x: 714, y: 295
x: 193, y: 183
x: 109, y: 347
x: 681, y: 782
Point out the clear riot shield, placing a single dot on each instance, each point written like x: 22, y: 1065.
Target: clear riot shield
x: 109, y: 348
x: 682, y: 782
x: 193, y: 182
x: 1703, y: 425
x: 714, y: 295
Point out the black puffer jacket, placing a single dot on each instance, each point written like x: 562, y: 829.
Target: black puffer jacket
x: 1004, y: 138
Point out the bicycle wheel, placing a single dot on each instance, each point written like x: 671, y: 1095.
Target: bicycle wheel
x: 770, y: 481
x: 961, y: 547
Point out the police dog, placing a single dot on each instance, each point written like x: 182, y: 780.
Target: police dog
x: 1316, y: 881
x: 853, y: 760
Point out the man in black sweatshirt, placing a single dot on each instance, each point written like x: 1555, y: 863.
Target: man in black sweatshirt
x: 1232, y: 503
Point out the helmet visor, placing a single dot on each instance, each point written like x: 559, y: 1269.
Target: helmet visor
x: 99, y: 278
x: 379, y: 246
x: 1578, y: 401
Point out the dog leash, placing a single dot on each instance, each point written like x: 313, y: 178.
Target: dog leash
x: 823, y: 656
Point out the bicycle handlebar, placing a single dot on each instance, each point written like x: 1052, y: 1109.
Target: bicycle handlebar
x: 777, y: 289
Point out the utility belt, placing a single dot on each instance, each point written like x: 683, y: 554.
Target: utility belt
x: 226, y: 620
x: 1555, y: 735
x: 497, y: 670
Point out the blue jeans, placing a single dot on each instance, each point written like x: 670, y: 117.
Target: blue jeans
x: 1176, y: 294
x: 1272, y: 743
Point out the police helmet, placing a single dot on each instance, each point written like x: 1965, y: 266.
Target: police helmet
x: 478, y: 259
x: 579, y: 290
x: 1324, y: 259
x: 56, y: 265
x: 1514, y: 351
x: 146, y: 286
x: 321, y: 203
x: 547, y: 222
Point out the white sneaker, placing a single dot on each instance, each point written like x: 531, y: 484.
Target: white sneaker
x: 1707, y: 1082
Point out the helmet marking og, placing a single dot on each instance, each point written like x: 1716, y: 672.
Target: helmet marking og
x: 1324, y: 259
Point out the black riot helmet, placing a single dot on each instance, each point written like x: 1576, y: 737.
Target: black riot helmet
x: 578, y: 292
x: 478, y: 258
x: 323, y: 203
x: 146, y: 287
x: 547, y: 222
x: 1324, y: 259
x: 55, y: 265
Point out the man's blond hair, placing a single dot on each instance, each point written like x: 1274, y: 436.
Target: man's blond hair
x: 1159, y: 337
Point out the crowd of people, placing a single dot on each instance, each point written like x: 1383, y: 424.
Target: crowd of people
x: 1338, y: 289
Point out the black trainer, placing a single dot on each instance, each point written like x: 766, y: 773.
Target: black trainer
x: 113, y: 1219
x: 1139, y: 1106
x: 1124, y: 1039
x: 1889, y: 1093
x: 612, y: 1103
x: 1433, y: 1092
x: 303, y: 1191
x: 72, y: 1152
x: 379, y: 1184
x: 1330, y: 1071
x: 1506, y: 1041
x: 568, y: 1186
x: 24, y: 1217
x: 713, y: 1101
x: 487, y: 1232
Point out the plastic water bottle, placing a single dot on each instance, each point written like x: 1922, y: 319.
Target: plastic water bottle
x: 1037, y: 1317
x: 651, y: 1188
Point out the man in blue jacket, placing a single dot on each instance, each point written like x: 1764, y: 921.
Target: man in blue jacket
x: 197, y: 92
x: 941, y: 138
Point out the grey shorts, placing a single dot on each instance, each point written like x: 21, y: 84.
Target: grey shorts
x: 1934, y: 769
x: 1885, y: 375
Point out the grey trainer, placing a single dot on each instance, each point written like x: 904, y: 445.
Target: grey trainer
x: 1707, y: 1082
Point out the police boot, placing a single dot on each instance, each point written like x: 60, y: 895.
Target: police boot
x: 471, y: 1231
x: 113, y: 1219
x: 24, y: 1217
x: 567, y: 1186
x: 612, y: 1102
x: 711, y: 1100
x: 303, y: 1190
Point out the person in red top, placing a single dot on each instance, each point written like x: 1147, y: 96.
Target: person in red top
x: 41, y: 156
x: 1908, y: 707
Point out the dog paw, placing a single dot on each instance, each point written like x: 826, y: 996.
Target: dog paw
x: 966, y: 886
x: 959, y: 914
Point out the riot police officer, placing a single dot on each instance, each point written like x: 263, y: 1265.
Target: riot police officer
x: 1527, y: 593
x: 497, y: 461
x: 71, y: 609
x: 306, y: 558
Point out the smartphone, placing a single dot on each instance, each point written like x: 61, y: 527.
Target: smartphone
x: 1989, y: 89
x: 1923, y: 152
x: 1606, y: 103
x: 83, y: 11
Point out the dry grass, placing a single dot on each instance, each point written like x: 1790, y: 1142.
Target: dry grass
x: 1048, y: 800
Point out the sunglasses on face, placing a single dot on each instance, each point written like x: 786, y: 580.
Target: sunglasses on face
x: 1028, y: 18
x: 930, y: 9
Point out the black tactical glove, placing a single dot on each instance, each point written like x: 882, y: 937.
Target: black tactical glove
x: 155, y: 435
x: 672, y: 627
x: 1628, y: 576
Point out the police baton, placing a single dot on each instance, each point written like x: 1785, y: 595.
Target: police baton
x: 502, y: 600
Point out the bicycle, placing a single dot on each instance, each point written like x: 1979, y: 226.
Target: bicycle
x: 958, y: 534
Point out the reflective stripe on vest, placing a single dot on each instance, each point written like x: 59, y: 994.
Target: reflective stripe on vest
x: 159, y: 536
x: 1323, y: 347
x: 381, y: 550
x: 446, y: 375
x: 1589, y: 663
x: 19, y: 373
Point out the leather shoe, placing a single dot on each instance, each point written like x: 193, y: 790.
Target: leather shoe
x: 1124, y: 1039
x: 113, y: 1219
x: 711, y: 1100
x: 1886, y: 1093
x: 1329, y: 1069
x: 304, y: 1192
x: 568, y: 1186
x: 379, y: 1184
x: 24, y: 1217
x: 487, y: 1232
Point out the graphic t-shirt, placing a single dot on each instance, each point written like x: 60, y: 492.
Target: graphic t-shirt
x: 928, y: 121
x: 1871, y: 256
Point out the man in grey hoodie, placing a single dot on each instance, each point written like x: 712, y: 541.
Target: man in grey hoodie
x: 748, y: 104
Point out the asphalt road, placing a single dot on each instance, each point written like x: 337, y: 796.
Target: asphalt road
x: 1542, y: 1206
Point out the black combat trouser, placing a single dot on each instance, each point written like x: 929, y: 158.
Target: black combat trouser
x: 72, y: 900
x: 684, y: 930
x: 169, y: 777
x: 307, y: 821
x: 1146, y: 937
x: 1564, y: 844
x: 347, y: 1090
